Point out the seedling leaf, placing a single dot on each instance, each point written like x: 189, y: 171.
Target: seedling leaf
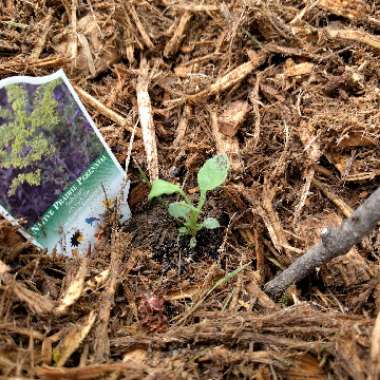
x: 210, y: 223
x: 180, y: 210
x: 161, y: 187
x: 183, y: 231
x: 213, y: 173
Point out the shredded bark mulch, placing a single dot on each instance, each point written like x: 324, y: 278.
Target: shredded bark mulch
x: 290, y: 91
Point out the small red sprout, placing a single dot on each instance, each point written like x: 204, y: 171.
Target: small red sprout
x: 152, y: 312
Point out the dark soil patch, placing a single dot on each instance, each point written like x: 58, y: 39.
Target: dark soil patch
x: 153, y: 228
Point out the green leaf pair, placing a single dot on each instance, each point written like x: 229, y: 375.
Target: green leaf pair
x: 211, y: 175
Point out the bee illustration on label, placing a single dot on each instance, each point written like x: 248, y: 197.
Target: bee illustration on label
x: 108, y: 203
x: 76, y: 239
x: 91, y: 220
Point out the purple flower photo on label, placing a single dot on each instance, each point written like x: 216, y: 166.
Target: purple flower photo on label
x: 52, y: 161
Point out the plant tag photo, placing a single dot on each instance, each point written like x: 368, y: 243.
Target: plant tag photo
x: 57, y: 175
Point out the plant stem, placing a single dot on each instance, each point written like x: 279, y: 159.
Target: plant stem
x: 186, y: 198
x: 193, y: 222
x: 201, y: 202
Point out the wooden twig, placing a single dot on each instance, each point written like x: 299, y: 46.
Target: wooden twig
x: 334, y: 242
x: 74, y: 23
x: 340, y: 203
x: 354, y: 35
x: 231, y: 78
x: 26, y: 65
x: 118, y: 247
x: 352, y: 9
x: 87, y: 53
x: 223, y: 83
x: 197, y: 7
x: 140, y: 27
x: 254, y: 99
x: 105, y: 111
x: 146, y: 119
x: 311, y: 143
x: 42, y: 40
x: 182, y: 126
x: 174, y: 43
x: 309, y: 176
x: 87, y: 372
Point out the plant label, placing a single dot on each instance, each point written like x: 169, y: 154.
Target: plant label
x: 57, y: 175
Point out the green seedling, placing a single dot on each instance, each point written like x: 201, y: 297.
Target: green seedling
x: 212, y: 174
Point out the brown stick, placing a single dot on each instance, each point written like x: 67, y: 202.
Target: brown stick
x: 42, y: 39
x: 179, y: 33
x: 354, y: 35
x: 105, y: 111
x: 146, y: 119
x: 334, y: 242
x: 140, y: 27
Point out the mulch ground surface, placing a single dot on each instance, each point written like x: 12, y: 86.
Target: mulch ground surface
x: 289, y: 90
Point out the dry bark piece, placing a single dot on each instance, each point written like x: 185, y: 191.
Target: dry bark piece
x: 231, y: 78
x: 311, y: 143
x: 87, y: 53
x: 181, y: 294
x: 174, y: 43
x: 88, y: 372
x: 26, y: 64
x: 97, y: 281
x: 232, y: 117
x: 340, y: 203
x: 347, y: 352
x: 305, y: 367
x: 362, y: 176
x: 355, y: 139
x: 346, y: 164
x: 258, y: 295
x: 352, y: 9
x: 184, y: 71
x: 226, y: 144
x: 254, y: 98
x: 38, y: 304
x: 144, y: 34
x: 348, y: 270
x: 353, y: 35
x: 73, y: 338
x: 297, y: 69
x: 270, y: 328
x: 74, y: 290
x: 4, y: 268
x: 8, y: 47
x: 194, y: 7
x: 146, y: 119
x: 45, y: 28
x: 97, y: 49
x: 107, y: 112
x: 182, y: 126
x: 119, y: 243
x: 232, y: 357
